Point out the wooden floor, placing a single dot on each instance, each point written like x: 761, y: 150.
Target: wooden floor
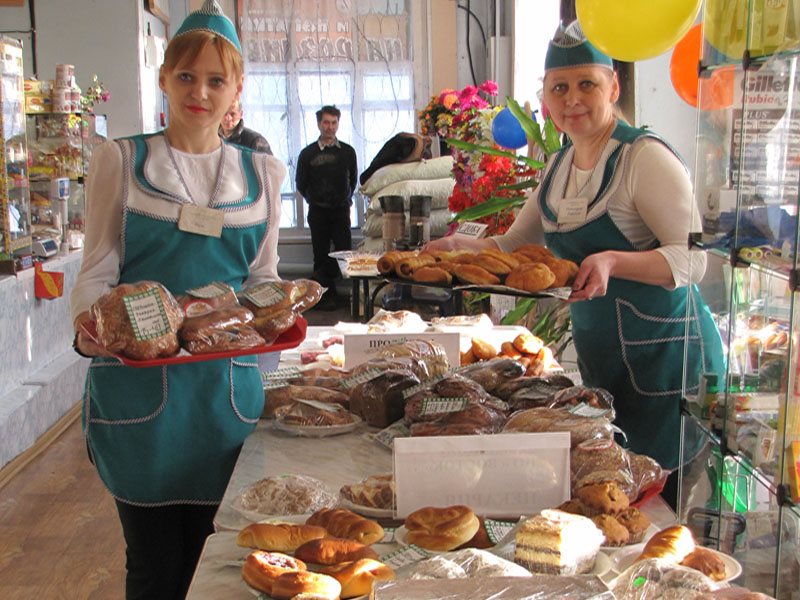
x: 59, y: 533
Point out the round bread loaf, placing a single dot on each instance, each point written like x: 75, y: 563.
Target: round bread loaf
x: 441, y: 529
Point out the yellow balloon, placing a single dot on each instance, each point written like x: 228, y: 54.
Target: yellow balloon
x: 635, y: 30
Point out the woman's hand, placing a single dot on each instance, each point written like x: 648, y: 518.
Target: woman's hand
x: 84, y: 342
x: 592, y: 278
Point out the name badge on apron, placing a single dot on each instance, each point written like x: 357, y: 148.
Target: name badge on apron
x: 572, y: 211
x: 201, y: 220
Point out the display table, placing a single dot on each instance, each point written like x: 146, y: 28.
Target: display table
x: 335, y: 460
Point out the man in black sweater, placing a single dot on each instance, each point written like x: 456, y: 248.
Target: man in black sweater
x: 232, y: 130
x: 326, y: 177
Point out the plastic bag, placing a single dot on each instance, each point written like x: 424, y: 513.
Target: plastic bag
x: 430, y: 354
x: 219, y: 330
x: 653, y: 578
x: 138, y: 320
x: 594, y: 461
x: 304, y: 414
x: 579, y: 427
x: 276, y: 397
x: 379, y: 400
x: 492, y: 373
x: 203, y: 300
x: 594, y: 398
x: 284, y: 495
x: 276, y: 304
x: 469, y: 562
x: 396, y: 321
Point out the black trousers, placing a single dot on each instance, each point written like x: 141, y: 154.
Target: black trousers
x: 163, y: 547
x: 328, y: 226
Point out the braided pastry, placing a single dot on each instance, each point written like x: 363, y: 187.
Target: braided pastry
x: 342, y: 523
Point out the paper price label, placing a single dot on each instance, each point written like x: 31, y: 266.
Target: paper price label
x: 472, y: 230
x: 407, y: 393
x: 406, y: 556
x: 147, y: 314
x: 432, y: 406
x: 497, y: 530
x: 274, y: 384
x: 328, y: 406
x: 388, y: 535
x: 367, y: 375
x: 286, y: 373
x: 584, y: 410
x: 265, y: 294
x: 385, y: 437
x: 212, y: 290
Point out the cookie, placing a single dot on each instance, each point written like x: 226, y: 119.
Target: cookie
x: 616, y: 534
x: 635, y: 522
x: 605, y: 497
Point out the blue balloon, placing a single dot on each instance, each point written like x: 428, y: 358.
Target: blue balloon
x: 507, y: 131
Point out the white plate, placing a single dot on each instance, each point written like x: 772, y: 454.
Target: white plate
x: 367, y: 511
x: 649, y: 532
x: 624, y: 558
x: 324, y: 431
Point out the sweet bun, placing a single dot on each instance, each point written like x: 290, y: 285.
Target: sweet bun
x: 432, y: 274
x: 707, y: 562
x: 531, y: 277
x: 527, y: 343
x: 535, y: 252
x: 480, y: 540
x: 635, y: 522
x: 331, y: 551
x: 672, y: 544
x: 278, y: 537
x: 356, y: 577
x: 483, y: 350
x: 441, y: 529
x: 475, y: 274
x: 603, y: 497
x: 291, y: 585
x: 343, y: 523
x: 615, y: 533
x: 261, y: 569
x: 505, y: 257
x: 564, y: 270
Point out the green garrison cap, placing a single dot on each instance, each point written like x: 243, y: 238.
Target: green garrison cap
x: 570, y: 48
x: 210, y: 18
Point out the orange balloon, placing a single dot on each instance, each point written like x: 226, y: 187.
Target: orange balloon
x: 715, y: 92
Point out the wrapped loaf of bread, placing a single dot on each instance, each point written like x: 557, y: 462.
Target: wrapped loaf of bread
x: 276, y: 304
x: 219, y: 330
x: 138, y: 320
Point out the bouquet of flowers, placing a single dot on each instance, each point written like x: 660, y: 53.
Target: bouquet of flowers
x: 94, y: 94
x: 437, y: 117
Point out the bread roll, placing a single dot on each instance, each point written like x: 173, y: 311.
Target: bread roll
x: 405, y: 267
x: 278, y: 537
x: 535, y: 252
x: 291, y: 585
x: 527, y: 343
x: 531, y: 277
x: 492, y: 264
x: 432, y: 274
x: 261, y: 569
x: 441, y: 529
x: 483, y: 350
x: 707, y: 562
x: 343, y: 523
x: 331, y: 551
x: 356, y: 577
x: 564, y: 270
x: 508, y: 259
x: 386, y: 263
x: 475, y: 275
x: 672, y: 544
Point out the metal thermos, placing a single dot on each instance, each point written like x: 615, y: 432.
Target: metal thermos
x: 394, y: 221
x: 419, y: 221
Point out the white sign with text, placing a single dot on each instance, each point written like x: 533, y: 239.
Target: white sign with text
x: 500, y: 476
x: 360, y: 347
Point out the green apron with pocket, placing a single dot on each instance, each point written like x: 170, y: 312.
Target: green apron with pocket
x: 635, y: 340
x: 172, y: 434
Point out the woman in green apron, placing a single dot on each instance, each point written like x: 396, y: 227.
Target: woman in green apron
x: 618, y: 201
x: 165, y: 439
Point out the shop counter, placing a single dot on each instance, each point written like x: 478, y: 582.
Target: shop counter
x: 335, y: 460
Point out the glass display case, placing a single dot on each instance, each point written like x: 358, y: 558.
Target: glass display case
x: 61, y: 145
x: 740, y: 480
x: 14, y: 191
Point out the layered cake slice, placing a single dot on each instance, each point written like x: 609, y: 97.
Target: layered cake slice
x: 559, y: 543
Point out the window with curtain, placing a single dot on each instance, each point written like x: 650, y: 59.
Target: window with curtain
x: 303, y: 54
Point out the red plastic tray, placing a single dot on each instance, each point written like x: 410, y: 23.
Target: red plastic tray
x: 291, y: 338
x: 653, y: 490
